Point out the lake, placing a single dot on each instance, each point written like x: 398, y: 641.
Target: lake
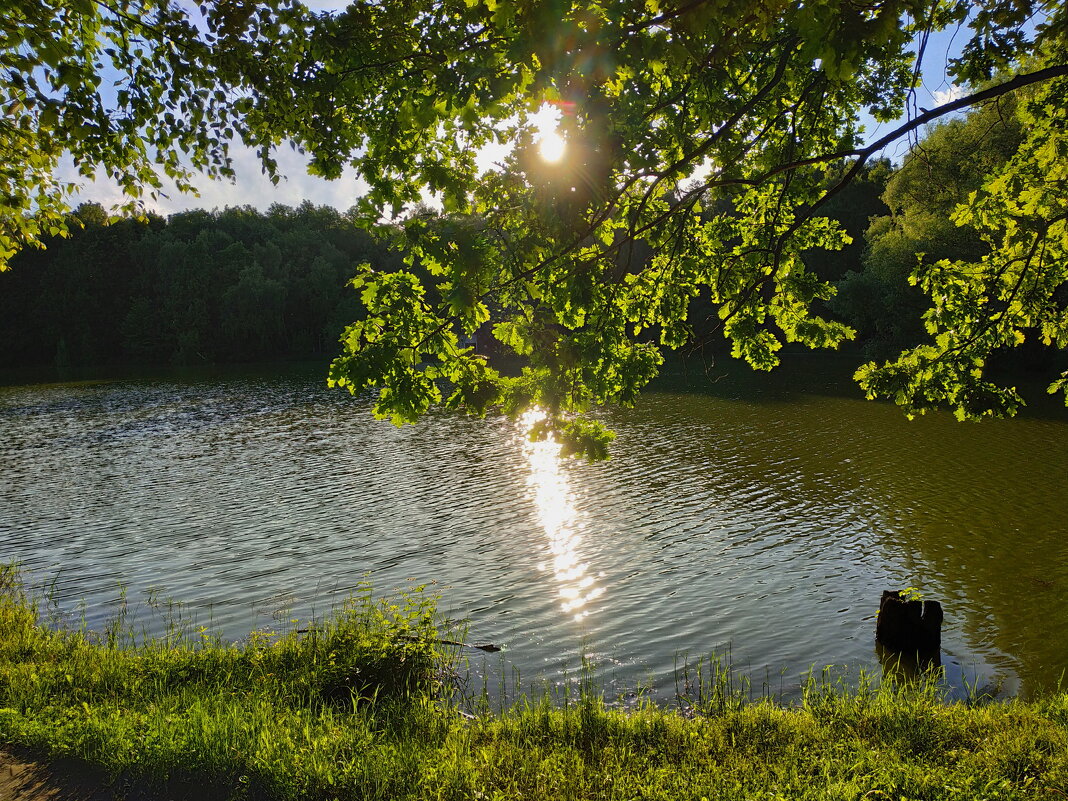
x: 754, y: 517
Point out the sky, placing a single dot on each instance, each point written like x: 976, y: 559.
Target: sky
x: 252, y: 188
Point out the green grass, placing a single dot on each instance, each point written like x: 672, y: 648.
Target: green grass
x: 360, y: 708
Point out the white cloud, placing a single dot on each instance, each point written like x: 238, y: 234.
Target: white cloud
x: 943, y: 96
x: 250, y: 187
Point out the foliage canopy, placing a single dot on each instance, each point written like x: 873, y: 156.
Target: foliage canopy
x: 702, y: 137
x: 136, y: 90
x: 952, y: 161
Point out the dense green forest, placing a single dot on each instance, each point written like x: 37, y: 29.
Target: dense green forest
x: 243, y: 285
x: 199, y: 287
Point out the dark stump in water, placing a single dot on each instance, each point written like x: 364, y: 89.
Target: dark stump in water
x: 912, y: 628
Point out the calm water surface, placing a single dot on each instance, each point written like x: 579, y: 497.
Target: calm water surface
x: 760, y: 517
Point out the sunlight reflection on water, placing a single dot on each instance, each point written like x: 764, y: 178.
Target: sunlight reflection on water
x: 560, y: 519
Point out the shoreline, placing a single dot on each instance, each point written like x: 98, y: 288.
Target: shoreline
x: 365, y: 707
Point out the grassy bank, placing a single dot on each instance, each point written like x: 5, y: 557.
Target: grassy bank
x: 359, y: 708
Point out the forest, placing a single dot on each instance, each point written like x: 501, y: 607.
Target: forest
x: 200, y: 287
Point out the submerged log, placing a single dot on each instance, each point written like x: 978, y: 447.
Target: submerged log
x: 909, y: 626
x: 488, y: 647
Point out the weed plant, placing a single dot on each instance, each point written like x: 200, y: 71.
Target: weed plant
x: 359, y: 707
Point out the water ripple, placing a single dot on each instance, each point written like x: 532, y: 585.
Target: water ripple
x: 764, y: 526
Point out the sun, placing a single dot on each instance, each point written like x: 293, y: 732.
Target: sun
x: 552, y: 146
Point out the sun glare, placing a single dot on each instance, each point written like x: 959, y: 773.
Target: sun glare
x: 552, y: 146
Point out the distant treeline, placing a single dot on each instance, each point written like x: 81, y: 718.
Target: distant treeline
x: 198, y: 287
x: 243, y: 285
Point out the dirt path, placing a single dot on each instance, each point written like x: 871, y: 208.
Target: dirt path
x: 22, y: 779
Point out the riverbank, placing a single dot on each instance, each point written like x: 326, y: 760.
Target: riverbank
x: 359, y: 707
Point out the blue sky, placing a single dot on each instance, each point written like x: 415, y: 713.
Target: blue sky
x: 252, y: 188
